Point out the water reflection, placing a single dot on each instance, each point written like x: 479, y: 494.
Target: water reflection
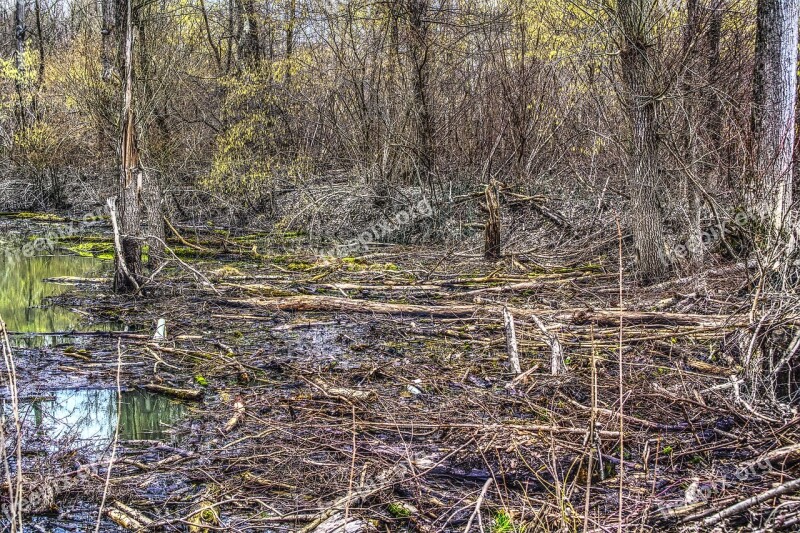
x: 91, y: 415
x: 23, y: 291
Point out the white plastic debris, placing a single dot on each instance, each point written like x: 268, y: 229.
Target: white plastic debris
x: 161, y: 330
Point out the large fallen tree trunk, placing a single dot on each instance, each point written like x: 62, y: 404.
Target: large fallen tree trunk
x: 611, y: 318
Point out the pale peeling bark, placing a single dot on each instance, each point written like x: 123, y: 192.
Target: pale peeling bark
x: 774, y: 95
x: 130, y: 175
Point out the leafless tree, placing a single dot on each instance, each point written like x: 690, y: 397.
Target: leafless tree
x: 636, y: 57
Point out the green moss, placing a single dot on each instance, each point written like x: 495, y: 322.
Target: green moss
x: 300, y: 266
x: 38, y: 217
x: 100, y: 250
x: 87, y: 238
x: 398, y: 510
x: 186, y: 252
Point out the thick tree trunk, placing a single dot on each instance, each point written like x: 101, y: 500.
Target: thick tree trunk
x: 774, y: 95
x: 154, y: 212
x: 643, y: 171
x: 250, y: 45
x: 150, y: 196
x: 131, y: 175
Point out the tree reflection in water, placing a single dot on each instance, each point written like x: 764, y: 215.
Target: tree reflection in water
x: 90, y: 415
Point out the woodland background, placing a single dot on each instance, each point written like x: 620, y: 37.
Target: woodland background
x: 324, y: 117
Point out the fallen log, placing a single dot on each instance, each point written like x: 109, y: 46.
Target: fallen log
x: 183, y: 394
x: 609, y: 318
x: 123, y: 520
x: 135, y: 515
x: 314, y: 303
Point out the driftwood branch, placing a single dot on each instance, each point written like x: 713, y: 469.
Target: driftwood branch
x: 511, y: 341
x: 557, y: 364
x: 733, y: 510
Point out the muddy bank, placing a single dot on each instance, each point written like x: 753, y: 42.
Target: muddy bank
x: 378, y: 390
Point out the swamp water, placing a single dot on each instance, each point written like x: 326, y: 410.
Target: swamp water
x: 24, y: 293
x: 88, y: 416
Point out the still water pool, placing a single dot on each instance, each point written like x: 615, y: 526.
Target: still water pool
x: 90, y: 416
x: 24, y: 293
x: 81, y: 416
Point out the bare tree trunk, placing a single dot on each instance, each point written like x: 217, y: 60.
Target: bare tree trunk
x: 40, y: 49
x: 154, y: 211
x: 774, y: 96
x: 643, y: 171
x: 692, y: 203
x: 250, y: 45
x: 420, y: 59
x: 291, y: 20
x: 209, y: 37
x: 108, y: 43
x: 493, y: 247
x: 20, y: 34
x: 108, y: 37
x: 712, y: 101
x: 232, y: 35
x: 150, y: 196
x: 131, y: 175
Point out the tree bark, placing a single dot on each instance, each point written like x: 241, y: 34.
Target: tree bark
x: 774, y: 95
x: 250, y: 45
x: 712, y: 101
x: 643, y: 166
x: 107, y: 38
x: 131, y: 175
x: 694, y: 168
x: 39, y: 45
x: 20, y: 34
x: 150, y: 195
x: 493, y: 247
x: 420, y: 59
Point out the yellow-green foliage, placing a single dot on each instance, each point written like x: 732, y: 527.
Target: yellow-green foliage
x: 504, y: 523
x: 249, y: 152
x: 39, y: 142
